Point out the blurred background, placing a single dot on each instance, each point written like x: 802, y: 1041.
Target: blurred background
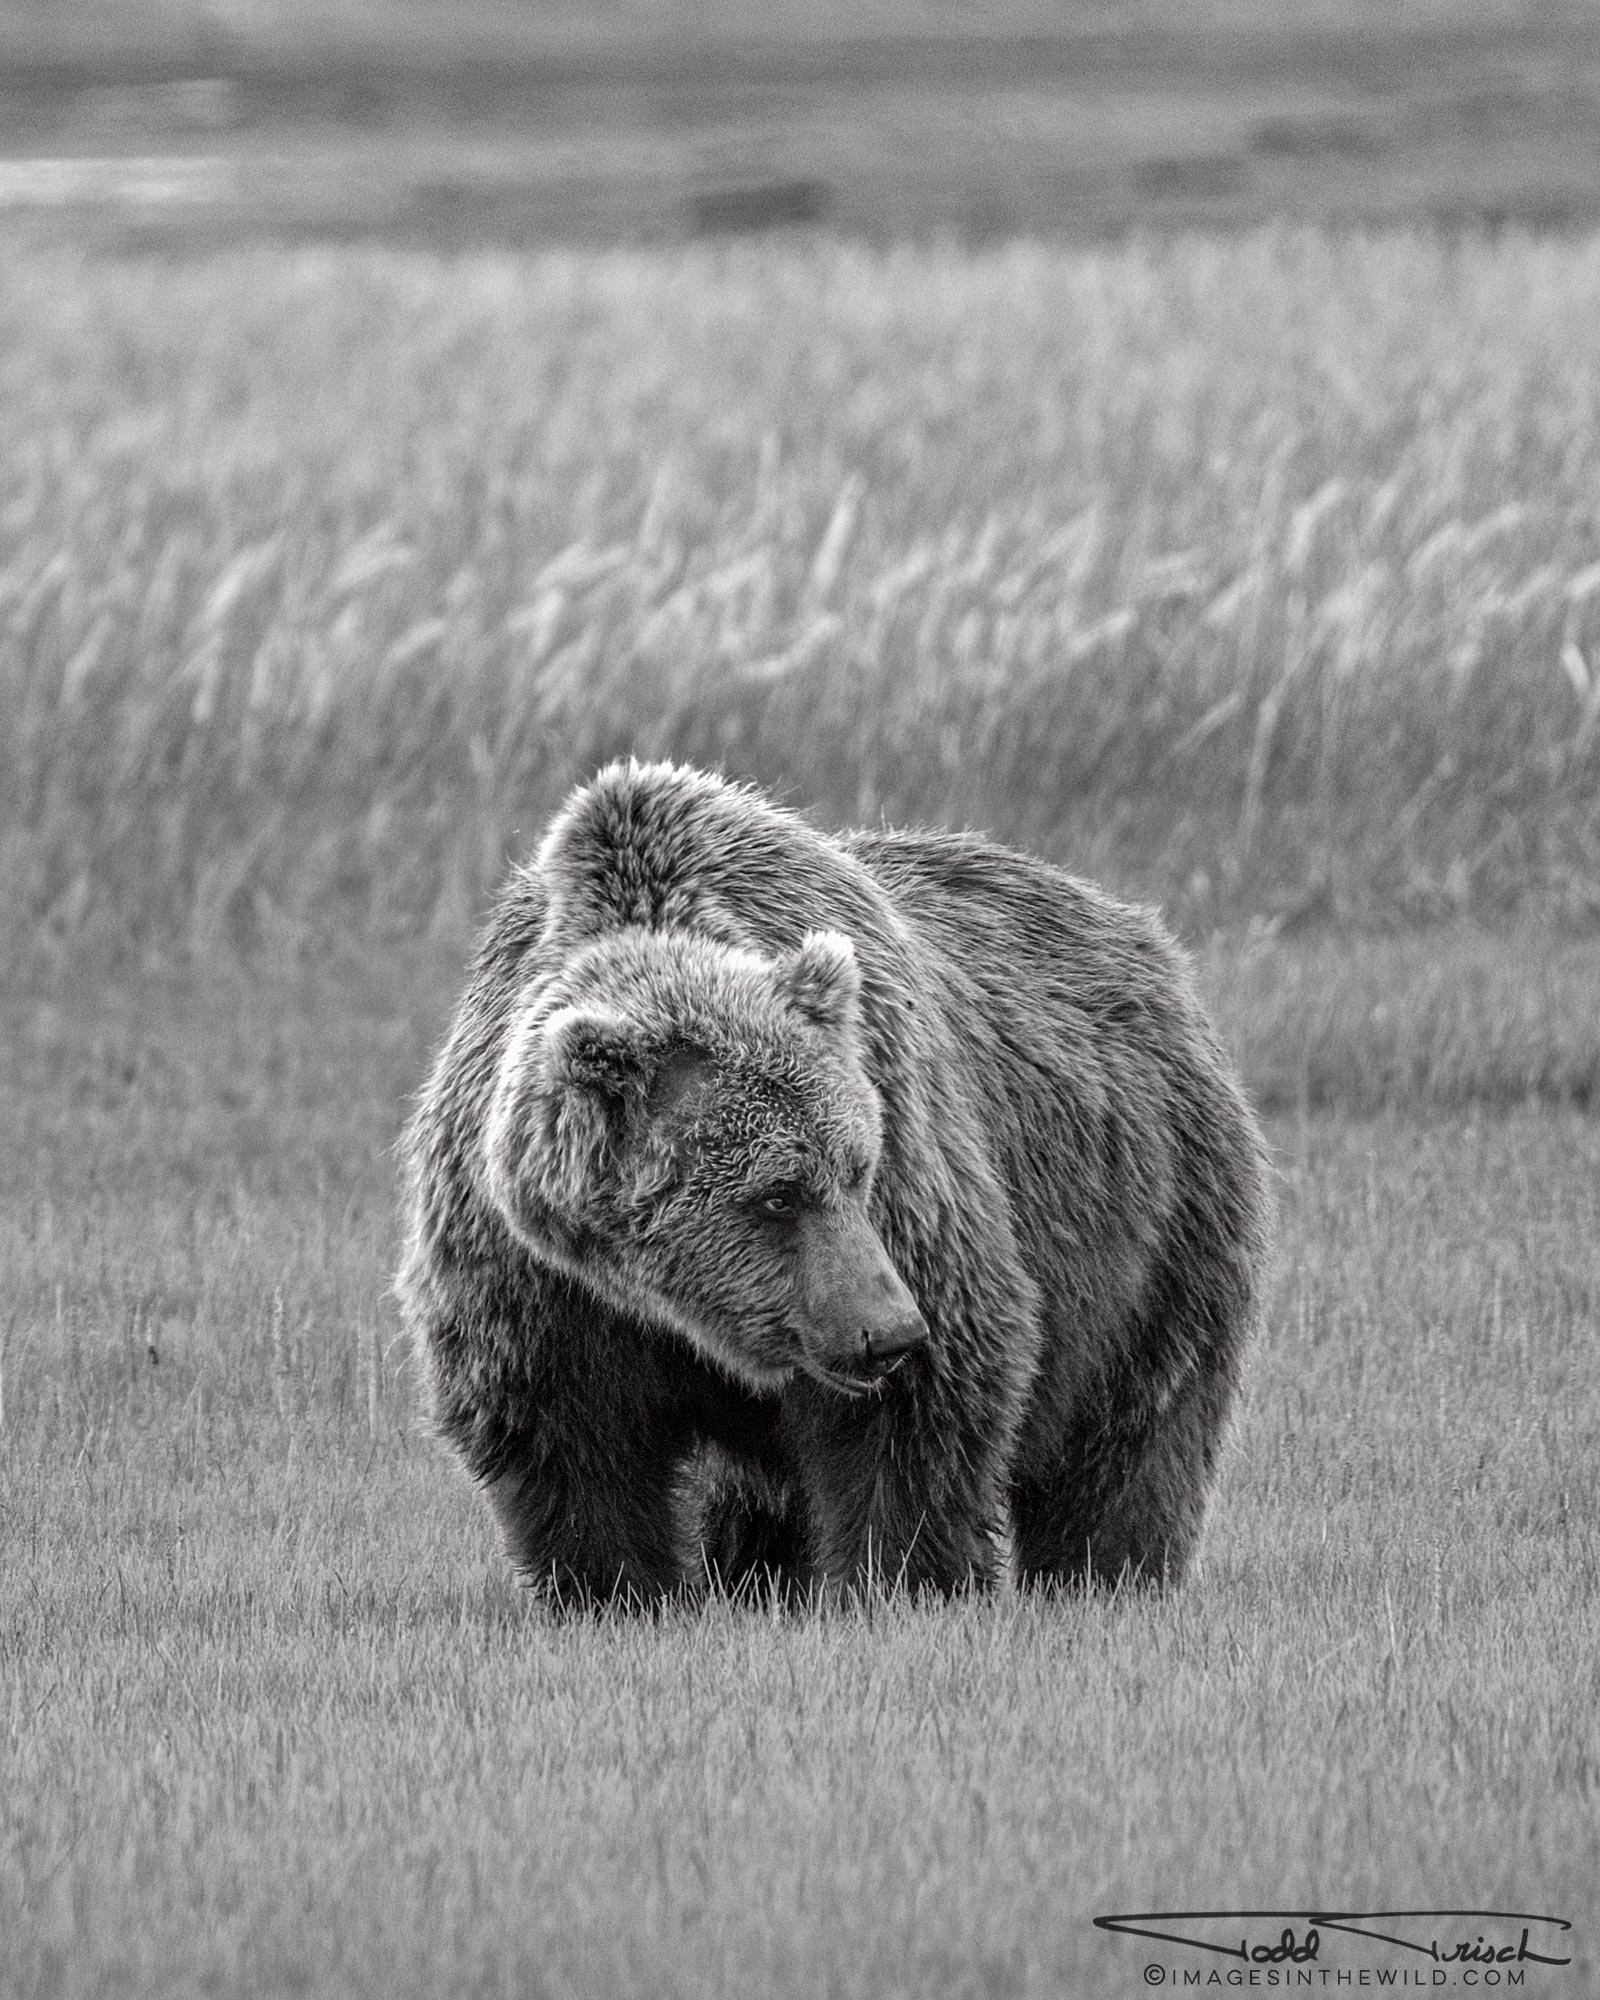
x: 493, y: 120
x: 1166, y: 435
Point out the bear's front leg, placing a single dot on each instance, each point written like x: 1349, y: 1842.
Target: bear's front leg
x: 1125, y: 1497
x: 590, y: 1528
x: 574, y: 1423
x: 895, y: 1498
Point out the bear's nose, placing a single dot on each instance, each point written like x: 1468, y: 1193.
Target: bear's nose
x: 892, y: 1341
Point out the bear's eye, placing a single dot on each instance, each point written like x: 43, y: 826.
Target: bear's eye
x: 779, y: 1204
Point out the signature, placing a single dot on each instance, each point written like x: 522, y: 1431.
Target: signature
x: 1437, y: 1934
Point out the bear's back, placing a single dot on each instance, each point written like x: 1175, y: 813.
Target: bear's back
x: 1108, y: 1099
x: 1041, y: 959
x: 1002, y: 956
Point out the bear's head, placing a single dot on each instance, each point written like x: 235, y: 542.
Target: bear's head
x: 686, y: 1128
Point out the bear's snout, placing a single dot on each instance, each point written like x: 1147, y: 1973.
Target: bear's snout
x: 860, y: 1316
x: 883, y: 1346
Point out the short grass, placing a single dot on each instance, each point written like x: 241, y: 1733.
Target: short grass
x: 274, y: 1719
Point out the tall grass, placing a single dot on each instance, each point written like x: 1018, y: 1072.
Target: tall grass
x: 1261, y: 573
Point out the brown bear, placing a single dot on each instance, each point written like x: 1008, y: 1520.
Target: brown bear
x: 826, y: 1208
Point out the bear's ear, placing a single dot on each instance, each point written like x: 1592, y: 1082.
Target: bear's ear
x: 554, y: 1120
x: 822, y: 981
x: 593, y: 1049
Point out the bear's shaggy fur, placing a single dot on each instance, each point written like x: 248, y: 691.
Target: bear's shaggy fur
x: 825, y: 1207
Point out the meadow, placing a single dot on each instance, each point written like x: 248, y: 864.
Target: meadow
x: 1258, y: 575
x: 276, y: 1720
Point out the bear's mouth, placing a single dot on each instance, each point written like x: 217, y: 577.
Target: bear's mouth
x: 862, y: 1379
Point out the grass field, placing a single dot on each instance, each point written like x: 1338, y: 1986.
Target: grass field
x: 276, y: 1720
x: 1259, y: 574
